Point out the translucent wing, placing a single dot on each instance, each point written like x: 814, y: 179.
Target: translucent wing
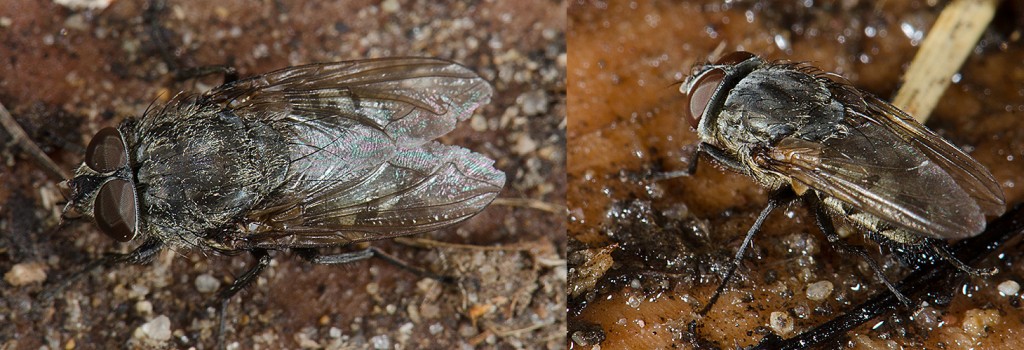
x: 968, y: 173
x: 362, y: 166
x: 889, y: 166
x: 411, y: 100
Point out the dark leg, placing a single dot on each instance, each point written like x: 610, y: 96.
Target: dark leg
x: 230, y: 74
x: 262, y: 260
x: 775, y: 200
x: 940, y: 248
x: 161, y: 39
x: 703, y: 148
x: 344, y: 258
x: 158, y: 35
x: 140, y: 255
x: 825, y: 225
x: 690, y: 170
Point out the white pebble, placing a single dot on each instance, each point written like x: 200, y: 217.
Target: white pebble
x: 26, y: 273
x: 381, y: 342
x: 390, y: 6
x: 818, y: 291
x: 206, y: 283
x: 781, y: 322
x: 158, y: 329
x: 1008, y: 287
x: 144, y: 307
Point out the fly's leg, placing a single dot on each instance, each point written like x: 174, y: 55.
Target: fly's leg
x: 161, y: 40
x: 690, y: 170
x: 316, y: 257
x: 141, y: 255
x: 776, y: 199
x: 826, y: 227
x: 224, y: 295
x: 702, y: 148
x: 229, y: 72
x: 940, y: 248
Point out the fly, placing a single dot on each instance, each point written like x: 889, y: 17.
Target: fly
x: 304, y: 158
x: 804, y: 133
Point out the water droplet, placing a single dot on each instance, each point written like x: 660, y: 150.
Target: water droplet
x: 781, y: 42
x: 633, y: 302
x: 870, y: 31
x: 711, y: 32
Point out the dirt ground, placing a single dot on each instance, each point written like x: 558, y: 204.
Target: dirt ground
x: 66, y: 72
x: 644, y: 255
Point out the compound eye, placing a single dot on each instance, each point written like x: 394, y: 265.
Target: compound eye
x: 116, y: 210
x: 700, y: 93
x: 106, y: 151
x: 734, y: 58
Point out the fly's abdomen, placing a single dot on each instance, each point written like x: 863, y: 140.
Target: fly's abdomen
x: 870, y: 223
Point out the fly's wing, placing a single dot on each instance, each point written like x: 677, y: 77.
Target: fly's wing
x: 914, y: 183
x: 968, y: 173
x: 362, y: 166
x: 411, y: 100
x: 415, y: 190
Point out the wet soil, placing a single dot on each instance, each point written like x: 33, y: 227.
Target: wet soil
x: 646, y: 255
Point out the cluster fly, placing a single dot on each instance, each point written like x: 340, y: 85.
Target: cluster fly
x: 304, y: 158
x: 803, y: 133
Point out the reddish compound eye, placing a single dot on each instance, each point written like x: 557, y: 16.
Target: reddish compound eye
x: 116, y: 210
x: 734, y: 58
x: 700, y: 93
x: 106, y: 151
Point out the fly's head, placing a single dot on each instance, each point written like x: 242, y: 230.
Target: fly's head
x: 707, y: 87
x: 103, y: 188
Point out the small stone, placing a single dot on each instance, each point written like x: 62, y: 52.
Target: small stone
x: 781, y: 322
x: 26, y: 273
x: 406, y: 328
x: 381, y: 342
x: 976, y: 321
x: 435, y: 329
x: 1008, y: 288
x: 206, y: 283
x: 144, y: 307
x: 818, y: 291
x: 390, y: 6
x: 158, y: 329
x: 84, y: 4
x: 76, y: 21
x: 534, y: 102
x: 305, y: 342
x: 524, y: 145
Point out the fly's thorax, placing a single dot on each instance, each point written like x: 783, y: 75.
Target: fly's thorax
x: 773, y: 103
x: 776, y: 102
x: 201, y: 168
